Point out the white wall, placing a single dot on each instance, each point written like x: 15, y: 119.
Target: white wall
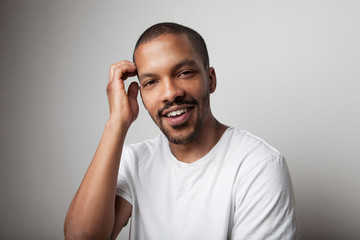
x: 288, y: 71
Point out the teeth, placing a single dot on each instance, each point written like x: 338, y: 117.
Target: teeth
x: 177, y: 112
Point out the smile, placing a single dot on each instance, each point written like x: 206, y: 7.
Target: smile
x: 178, y: 115
x: 177, y: 112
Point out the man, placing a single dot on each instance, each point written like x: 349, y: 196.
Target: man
x: 199, y: 179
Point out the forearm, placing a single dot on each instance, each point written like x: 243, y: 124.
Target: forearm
x: 92, y: 211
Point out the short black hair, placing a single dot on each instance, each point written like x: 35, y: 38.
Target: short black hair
x: 195, y: 38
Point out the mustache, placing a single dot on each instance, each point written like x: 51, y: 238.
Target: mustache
x: 176, y: 102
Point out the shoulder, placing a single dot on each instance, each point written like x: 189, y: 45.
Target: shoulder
x: 258, y: 160
x: 253, y: 157
x: 149, y: 144
x: 143, y: 150
x: 248, y: 146
x: 249, y: 142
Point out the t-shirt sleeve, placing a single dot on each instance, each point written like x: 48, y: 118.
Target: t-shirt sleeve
x: 123, y: 187
x: 264, y: 203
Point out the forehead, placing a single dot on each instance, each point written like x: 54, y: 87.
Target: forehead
x: 164, y: 51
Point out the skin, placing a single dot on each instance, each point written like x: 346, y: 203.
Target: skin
x: 172, y: 74
x: 172, y: 77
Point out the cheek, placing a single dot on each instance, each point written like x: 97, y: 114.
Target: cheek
x: 149, y: 102
x: 144, y: 98
x: 199, y: 91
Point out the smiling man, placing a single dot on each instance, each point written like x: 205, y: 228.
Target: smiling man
x: 200, y: 179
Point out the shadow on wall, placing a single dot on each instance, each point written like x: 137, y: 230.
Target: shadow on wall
x: 321, y: 217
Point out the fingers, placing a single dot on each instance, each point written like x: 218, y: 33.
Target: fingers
x: 133, y: 90
x: 123, y: 105
x: 122, y: 70
x: 132, y: 94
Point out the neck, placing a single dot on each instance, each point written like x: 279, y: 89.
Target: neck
x: 209, y: 135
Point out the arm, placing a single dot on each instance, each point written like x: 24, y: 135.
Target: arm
x: 95, y: 211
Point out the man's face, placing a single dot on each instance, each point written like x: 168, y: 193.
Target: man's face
x: 174, y: 86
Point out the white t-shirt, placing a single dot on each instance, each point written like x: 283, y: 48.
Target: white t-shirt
x: 240, y: 190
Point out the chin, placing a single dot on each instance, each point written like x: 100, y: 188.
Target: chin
x: 179, y: 140
x: 180, y: 135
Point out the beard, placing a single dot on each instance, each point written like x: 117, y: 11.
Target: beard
x: 171, y: 132
x: 185, y: 138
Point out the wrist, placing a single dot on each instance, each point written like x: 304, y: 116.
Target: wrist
x: 117, y: 124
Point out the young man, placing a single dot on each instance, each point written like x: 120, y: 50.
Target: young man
x: 199, y: 179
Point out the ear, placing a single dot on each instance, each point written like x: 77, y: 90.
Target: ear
x: 212, y: 79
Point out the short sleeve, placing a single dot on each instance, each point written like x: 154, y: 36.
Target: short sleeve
x: 264, y: 203
x: 122, y: 187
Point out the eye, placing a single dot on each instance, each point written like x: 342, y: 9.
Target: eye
x: 149, y: 83
x: 186, y: 74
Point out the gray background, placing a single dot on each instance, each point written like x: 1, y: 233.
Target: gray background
x: 288, y: 71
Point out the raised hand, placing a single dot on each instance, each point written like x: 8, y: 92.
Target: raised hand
x: 123, y: 105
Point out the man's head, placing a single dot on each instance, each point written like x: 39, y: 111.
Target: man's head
x: 195, y: 38
x: 175, y: 83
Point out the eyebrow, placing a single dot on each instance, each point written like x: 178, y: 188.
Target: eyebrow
x: 186, y: 62
x: 147, y: 75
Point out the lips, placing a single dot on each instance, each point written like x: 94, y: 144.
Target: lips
x: 177, y: 112
x: 176, y: 115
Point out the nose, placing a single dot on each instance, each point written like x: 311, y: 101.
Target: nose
x: 171, y: 90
